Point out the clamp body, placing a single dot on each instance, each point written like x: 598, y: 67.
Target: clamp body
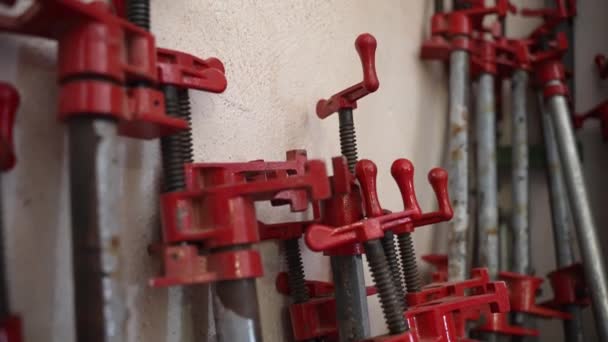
x: 216, y: 213
x: 111, y: 68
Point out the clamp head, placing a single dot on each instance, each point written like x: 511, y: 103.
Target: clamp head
x: 347, y: 98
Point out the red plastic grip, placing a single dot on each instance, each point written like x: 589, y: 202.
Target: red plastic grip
x: 347, y: 98
x: 366, y: 172
x: 9, y: 101
x: 438, y: 178
x: 402, y: 171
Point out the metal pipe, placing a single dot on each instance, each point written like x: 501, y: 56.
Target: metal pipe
x: 458, y: 163
x: 96, y: 193
x: 595, y: 268
x: 236, y: 311
x: 487, y: 188
x: 348, y: 275
x: 562, y: 220
x: 519, y: 177
x: 351, y: 297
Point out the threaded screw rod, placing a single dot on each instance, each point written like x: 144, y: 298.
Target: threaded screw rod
x: 408, y: 262
x: 388, y: 243
x: 138, y: 13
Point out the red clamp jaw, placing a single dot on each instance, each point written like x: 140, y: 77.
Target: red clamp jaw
x: 552, y: 17
x: 109, y: 67
x: 440, y: 262
x: 216, y: 211
x: 9, y: 102
x: 324, y: 238
x: 347, y: 98
x: 452, y: 30
x: 569, y: 287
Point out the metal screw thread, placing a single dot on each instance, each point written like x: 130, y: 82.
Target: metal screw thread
x: 388, y: 243
x: 176, y: 148
x: 348, y: 139
x: 408, y: 261
x: 138, y: 12
x: 295, y: 271
x: 392, y: 307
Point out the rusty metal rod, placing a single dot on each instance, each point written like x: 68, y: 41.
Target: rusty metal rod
x: 561, y: 217
x: 458, y: 164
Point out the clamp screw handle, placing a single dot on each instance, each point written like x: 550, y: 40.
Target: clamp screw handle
x: 347, y: 98
x: 366, y: 172
x: 438, y: 178
x: 9, y: 102
x: 402, y: 171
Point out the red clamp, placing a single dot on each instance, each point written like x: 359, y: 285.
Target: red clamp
x: 552, y: 17
x: 548, y: 67
x: 347, y: 98
x: 522, y: 294
x: 315, y: 318
x: 440, y: 262
x: 323, y: 238
x: 9, y: 102
x: 11, y: 329
x: 569, y: 287
x: 600, y: 112
x: 109, y: 67
x: 601, y: 62
x: 216, y: 210
x: 440, y: 311
x: 452, y: 30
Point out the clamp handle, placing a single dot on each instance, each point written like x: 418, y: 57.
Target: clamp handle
x: 402, y: 171
x: 366, y: 172
x: 9, y: 102
x: 438, y: 178
x: 347, y: 98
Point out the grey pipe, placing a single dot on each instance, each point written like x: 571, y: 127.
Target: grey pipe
x: 458, y: 154
x: 487, y: 189
x: 595, y: 268
x: 95, y: 190
x: 236, y: 311
x: 561, y: 218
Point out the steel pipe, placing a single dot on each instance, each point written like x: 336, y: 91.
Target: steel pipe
x: 458, y: 164
x: 95, y: 197
x: 594, y: 264
x: 236, y: 311
x: 487, y: 189
x: 561, y: 217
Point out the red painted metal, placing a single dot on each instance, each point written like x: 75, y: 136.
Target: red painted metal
x: 498, y: 323
x: 101, y: 57
x: 9, y: 102
x: 440, y: 262
x: 600, y: 112
x: 347, y: 98
x: 216, y: 210
x: 321, y: 237
x: 453, y: 30
x: 522, y: 295
x: 552, y: 17
x: 11, y: 329
x: 569, y: 287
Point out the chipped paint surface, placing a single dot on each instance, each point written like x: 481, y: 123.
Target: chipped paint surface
x: 520, y: 224
x: 458, y: 164
x: 487, y: 210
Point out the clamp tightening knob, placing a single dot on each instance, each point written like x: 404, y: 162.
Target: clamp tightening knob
x: 347, y: 98
x: 9, y: 101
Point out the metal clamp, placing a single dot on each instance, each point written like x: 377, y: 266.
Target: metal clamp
x: 109, y: 67
x: 347, y: 98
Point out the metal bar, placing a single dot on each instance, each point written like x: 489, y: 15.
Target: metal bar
x: 95, y: 190
x: 4, y: 295
x: 439, y: 8
x: 588, y: 239
x: 458, y: 164
x: 351, y: 297
x: 519, y: 177
x: 562, y: 220
x: 236, y: 311
x: 486, y: 176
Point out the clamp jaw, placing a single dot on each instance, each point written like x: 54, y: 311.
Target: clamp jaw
x: 216, y: 212
x: 453, y: 30
x: 109, y: 67
x: 325, y: 238
x: 347, y: 98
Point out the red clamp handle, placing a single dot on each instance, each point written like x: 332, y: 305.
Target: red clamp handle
x: 9, y: 102
x: 323, y: 238
x: 347, y: 98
